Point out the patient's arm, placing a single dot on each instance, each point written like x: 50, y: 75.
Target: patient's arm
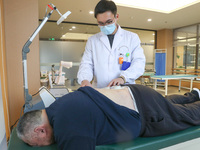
x: 119, y: 96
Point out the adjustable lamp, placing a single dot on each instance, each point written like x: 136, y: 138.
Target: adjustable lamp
x: 45, y: 95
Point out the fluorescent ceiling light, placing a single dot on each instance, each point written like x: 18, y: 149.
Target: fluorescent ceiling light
x: 164, y: 6
x: 179, y: 37
x: 76, y: 36
x: 188, y: 40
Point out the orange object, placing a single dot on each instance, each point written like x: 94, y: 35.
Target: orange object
x: 121, y: 60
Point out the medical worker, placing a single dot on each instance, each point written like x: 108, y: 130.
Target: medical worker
x: 112, y: 57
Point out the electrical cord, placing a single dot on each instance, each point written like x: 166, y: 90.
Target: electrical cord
x: 37, y: 92
x: 11, y: 128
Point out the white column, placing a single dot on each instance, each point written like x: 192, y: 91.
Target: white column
x: 166, y: 86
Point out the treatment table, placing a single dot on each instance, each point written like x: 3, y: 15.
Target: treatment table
x: 173, y: 77
x: 140, y: 143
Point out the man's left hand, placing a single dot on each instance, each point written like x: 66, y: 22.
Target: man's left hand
x: 115, y: 82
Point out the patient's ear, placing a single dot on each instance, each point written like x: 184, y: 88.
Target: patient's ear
x: 40, y: 130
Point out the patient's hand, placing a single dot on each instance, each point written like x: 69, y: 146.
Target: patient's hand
x: 85, y: 83
x: 115, y: 82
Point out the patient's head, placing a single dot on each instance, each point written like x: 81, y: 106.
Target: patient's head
x: 34, y: 128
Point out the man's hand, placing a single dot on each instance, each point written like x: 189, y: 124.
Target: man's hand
x: 85, y: 83
x: 116, y: 81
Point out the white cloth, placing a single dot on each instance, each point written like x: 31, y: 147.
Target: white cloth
x: 134, y: 102
x: 102, y: 62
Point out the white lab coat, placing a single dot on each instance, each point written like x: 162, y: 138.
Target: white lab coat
x: 101, y: 62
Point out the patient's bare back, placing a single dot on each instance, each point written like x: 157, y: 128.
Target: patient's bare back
x: 120, y: 96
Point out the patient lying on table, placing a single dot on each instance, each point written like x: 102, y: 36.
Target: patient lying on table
x: 89, y: 117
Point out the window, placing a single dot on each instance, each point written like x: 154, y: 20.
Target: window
x: 198, y: 47
x: 185, y: 33
x: 186, y: 47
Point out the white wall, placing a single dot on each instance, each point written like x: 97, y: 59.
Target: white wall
x: 3, y: 145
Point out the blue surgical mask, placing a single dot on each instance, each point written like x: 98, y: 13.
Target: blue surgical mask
x: 108, y: 29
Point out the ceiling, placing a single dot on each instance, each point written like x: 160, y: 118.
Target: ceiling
x: 128, y: 17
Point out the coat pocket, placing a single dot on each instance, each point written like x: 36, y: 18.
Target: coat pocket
x: 155, y: 126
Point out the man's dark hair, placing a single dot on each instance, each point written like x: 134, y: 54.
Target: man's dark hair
x: 105, y: 5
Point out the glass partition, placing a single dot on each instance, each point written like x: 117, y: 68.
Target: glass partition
x: 186, y: 47
x: 199, y: 59
x: 199, y: 30
x: 186, y: 32
x: 198, y: 46
x: 185, y: 53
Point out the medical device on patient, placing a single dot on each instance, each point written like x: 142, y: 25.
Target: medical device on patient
x: 45, y: 98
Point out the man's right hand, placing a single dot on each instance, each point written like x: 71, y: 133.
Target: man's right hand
x: 85, y: 83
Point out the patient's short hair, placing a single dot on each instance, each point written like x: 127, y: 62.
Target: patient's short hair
x: 27, y: 123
